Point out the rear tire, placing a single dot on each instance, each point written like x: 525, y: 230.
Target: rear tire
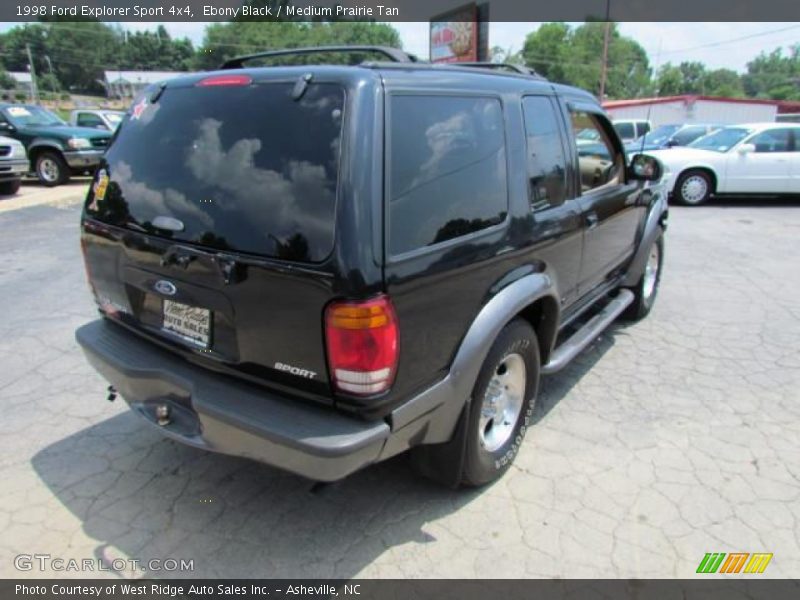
x: 9, y: 188
x: 502, y: 404
x: 693, y: 188
x: 645, y: 292
x: 51, y: 169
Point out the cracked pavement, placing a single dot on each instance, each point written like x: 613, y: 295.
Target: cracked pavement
x: 667, y: 439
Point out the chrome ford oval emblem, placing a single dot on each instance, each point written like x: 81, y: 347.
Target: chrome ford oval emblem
x: 162, y: 286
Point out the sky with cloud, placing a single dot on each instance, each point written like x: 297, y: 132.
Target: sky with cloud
x: 718, y: 45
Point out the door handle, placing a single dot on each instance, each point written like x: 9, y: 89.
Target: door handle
x: 591, y: 220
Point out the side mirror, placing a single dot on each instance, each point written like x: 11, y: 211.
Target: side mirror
x: 672, y: 143
x: 645, y: 168
x: 746, y: 148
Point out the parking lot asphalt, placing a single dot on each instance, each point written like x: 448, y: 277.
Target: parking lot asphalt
x: 32, y: 193
x: 667, y: 439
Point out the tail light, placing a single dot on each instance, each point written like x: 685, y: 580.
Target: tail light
x: 361, y: 339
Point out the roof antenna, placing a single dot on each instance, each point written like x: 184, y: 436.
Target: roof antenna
x: 658, y: 92
x: 301, y: 86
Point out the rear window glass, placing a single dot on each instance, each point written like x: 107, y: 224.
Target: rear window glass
x: 243, y: 168
x: 447, y: 173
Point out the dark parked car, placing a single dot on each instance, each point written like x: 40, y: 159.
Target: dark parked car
x: 55, y: 150
x: 320, y: 267
x: 669, y: 136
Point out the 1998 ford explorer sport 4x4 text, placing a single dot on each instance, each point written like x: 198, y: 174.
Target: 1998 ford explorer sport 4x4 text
x: 322, y: 266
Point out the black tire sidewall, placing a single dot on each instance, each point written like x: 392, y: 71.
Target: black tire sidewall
x: 481, y: 466
x: 647, y: 303
x: 9, y: 188
x: 678, y: 193
x: 641, y: 307
x: 62, y: 169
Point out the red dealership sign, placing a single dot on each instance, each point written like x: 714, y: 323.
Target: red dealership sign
x: 454, y: 35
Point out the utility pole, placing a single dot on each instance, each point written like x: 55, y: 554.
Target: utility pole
x: 32, y: 69
x: 604, y: 66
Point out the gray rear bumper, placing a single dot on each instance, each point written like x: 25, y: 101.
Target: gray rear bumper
x: 219, y: 413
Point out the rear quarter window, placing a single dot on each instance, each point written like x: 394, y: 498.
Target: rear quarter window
x: 447, y: 169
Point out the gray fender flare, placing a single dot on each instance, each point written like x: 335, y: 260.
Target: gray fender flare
x: 655, y: 224
x: 444, y: 401
x: 48, y: 143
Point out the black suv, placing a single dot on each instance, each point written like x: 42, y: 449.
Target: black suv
x: 322, y: 266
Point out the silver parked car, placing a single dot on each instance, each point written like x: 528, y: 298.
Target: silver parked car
x: 13, y: 165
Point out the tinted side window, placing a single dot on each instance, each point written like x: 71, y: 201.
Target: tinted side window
x: 688, y: 135
x: 774, y: 140
x: 447, y: 169
x: 625, y: 130
x: 89, y: 120
x: 547, y: 177
x: 598, y: 162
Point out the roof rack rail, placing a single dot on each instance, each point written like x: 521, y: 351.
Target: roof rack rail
x: 393, y: 54
x: 521, y: 69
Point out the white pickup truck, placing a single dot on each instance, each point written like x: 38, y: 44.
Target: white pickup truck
x: 96, y: 118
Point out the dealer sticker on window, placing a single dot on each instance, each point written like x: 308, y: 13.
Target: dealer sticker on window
x: 99, y: 189
x: 18, y: 111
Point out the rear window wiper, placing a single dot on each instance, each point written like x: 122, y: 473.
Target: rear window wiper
x: 301, y: 86
x: 157, y: 92
x: 181, y: 256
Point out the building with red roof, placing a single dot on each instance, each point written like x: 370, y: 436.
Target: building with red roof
x: 690, y: 108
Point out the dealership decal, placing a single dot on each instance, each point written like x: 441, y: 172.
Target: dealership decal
x: 736, y: 562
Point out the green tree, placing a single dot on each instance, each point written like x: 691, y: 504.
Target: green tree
x: 156, y: 50
x: 48, y: 83
x: 13, y: 47
x: 226, y: 40
x: 669, y: 81
x: 79, y: 52
x: 774, y: 75
x: 74, y: 54
x: 574, y: 56
x: 7, y: 82
x: 546, y: 48
x: 724, y: 82
x: 694, y: 78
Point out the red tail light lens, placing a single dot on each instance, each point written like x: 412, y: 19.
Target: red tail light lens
x: 362, y: 345
x: 218, y: 80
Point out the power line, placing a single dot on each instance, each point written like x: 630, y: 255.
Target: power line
x: 732, y: 40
